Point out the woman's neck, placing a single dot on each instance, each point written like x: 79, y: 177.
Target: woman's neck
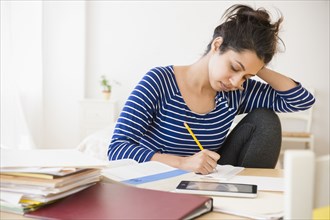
x: 197, y: 75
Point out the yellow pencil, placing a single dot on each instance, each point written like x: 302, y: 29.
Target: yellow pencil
x: 193, y: 135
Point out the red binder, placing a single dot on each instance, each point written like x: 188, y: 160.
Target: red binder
x: 119, y: 201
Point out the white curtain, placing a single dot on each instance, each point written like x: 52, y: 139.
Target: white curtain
x: 21, y: 74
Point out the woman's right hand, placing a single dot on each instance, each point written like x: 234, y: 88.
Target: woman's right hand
x: 203, y: 162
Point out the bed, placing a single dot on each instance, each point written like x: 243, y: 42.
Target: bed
x: 97, y: 143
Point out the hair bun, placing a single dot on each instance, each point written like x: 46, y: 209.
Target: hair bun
x: 243, y: 13
x: 245, y: 28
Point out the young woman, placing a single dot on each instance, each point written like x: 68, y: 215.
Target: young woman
x: 207, y: 95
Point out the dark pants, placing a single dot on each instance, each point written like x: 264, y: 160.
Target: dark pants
x: 255, y: 142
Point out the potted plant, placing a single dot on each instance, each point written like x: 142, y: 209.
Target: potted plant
x: 106, y: 87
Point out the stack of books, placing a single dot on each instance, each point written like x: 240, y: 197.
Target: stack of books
x: 33, y: 178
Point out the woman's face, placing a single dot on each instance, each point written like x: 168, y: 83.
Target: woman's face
x: 229, y: 70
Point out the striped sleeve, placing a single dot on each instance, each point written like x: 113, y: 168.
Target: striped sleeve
x: 134, y: 121
x: 261, y: 95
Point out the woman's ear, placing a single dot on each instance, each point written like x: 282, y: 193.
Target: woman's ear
x: 216, y: 43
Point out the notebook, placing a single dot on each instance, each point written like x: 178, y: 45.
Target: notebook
x: 16, y: 158
x: 120, y: 201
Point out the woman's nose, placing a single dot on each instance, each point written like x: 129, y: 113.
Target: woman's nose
x: 236, y: 81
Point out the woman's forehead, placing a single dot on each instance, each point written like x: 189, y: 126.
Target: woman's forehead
x: 247, y: 59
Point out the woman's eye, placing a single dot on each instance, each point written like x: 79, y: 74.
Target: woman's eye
x: 235, y: 70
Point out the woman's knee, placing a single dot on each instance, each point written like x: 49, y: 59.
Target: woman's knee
x: 265, y: 118
x: 264, y: 113
x: 259, y: 135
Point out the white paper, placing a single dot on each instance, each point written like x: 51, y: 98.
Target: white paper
x: 222, y: 172
x: 132, y: 171
x: 57, y: 171
x: 12, y: 198
x: 121, y: 163
x: 263, y: 183
x: 268, y: 205
x: 48, y: 158
x: 53, y: 197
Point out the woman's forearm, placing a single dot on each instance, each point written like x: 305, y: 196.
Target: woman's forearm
x: 276, y: 80
x: 171, y: 160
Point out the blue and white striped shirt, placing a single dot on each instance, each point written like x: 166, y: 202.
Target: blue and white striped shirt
x: 153, y: 116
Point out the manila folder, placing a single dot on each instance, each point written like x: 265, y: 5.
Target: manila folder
x: 119, y: 201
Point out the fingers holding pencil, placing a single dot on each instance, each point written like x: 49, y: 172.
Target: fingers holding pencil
x: 203, y: 162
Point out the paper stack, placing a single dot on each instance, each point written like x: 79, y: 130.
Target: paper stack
x: 33, y: 178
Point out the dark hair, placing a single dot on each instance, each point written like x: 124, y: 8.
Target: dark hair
x: 247, y: 29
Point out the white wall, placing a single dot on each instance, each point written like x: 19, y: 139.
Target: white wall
x: 64, y: 71
x: 125, y: 39
x: 21, y: 74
